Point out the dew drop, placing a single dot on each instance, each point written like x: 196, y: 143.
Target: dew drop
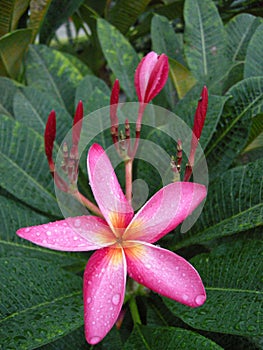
x: 75, y: 238
x: 48, y: 233
x: 94, y: 340
x: 185, y: 297
x: 89, y: 300
x: 27, y: 229
x: 177, y: 268
x: 77, y: 223
x: 183, y: 274
x: 116, y: 299
x: 148, y: 266
x: 200, y: 299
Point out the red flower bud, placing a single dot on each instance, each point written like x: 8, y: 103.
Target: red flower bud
x: 49, y: 137
x: 77, y: 124
x: 151, y: 76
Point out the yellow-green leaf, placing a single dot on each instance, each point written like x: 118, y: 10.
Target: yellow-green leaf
x: 12, y: 49
x: 182, y: 78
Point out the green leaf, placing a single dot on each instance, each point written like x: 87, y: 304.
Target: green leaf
x: 204, y: 41
x: 24, y: 170
x: 245, y: 102
x: 16, y: 215
x: 32, y: 108
x: 58, y: 13
x: 125, y: 13
x: 167, y: 338
x: 93, y: 92
x: 164, y: 39
x: 77, y: 63
x: 239, y: 32
x: 120, y: 55
x: 11, y: 11
x: 50, y: 71
x: 39, y: 302
x: 8, y: 88
x: 240, y: 210
x: 232, y: 275
x: 12, y: 49
x: 253, y: 61
x: 38, y: 11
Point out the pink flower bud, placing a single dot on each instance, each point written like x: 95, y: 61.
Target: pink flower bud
x: 151, y: 76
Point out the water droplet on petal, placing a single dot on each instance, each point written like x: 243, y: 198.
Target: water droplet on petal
x: 48, y: 233
x: 94, y: 340
x: 27, y: 229
x: 77, y: 223
x: 177, y: 268
x: 148, y: 266
x: 185, y: 297
x: 116, y: 299
x: 200, y: 299
x: 89, y: 300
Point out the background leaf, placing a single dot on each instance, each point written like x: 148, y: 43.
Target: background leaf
x: 50, y: 71
x: 167, y: 338
x: 11, y: 11
x: 50, y: 303
x: 24, y: 169
x: 32, y: 108
x: 232, y: 275
x: 253, y: 61
x: 204, y: 41
x: 12, y: 49
x: 245, y: 102
x: 241, y: 210
x: 125, y: 13
x: 8, y: 88
x: 38, y: 11
x: 120, y: 55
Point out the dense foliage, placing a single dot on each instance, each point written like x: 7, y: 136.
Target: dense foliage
x: 216, y: 43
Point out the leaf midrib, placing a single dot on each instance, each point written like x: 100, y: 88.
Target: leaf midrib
x: 67, y: 296
x: 192, y: 239
x: 229, y: 127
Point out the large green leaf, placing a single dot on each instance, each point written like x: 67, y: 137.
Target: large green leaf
x: 245, y: 102
x: 239, y: 32
x: 167, y: 338
x: 12, y: 49
x: 11, y: 11
x: 58, y: 13
x: 23, y: 168
x: 120, y: 55
x: 15, y: 215
x: 8, y: 89
x: 232, y: 275
x: 253, y: 61
x: 32, y: 108
x: 88, y: 89
x: 39, y: 302
x: 240, y: 210
x: 164, y: 39
x: 125, y: 13
x: 204, y: 41
x: 50, y: 71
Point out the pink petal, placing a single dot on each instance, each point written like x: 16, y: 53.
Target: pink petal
x: 165, y: 273
x: 164, y: 211
x: 107, y: 190
x: 104, y: 290
x: 158, y: 78
x: 142, y: 74
x: 81, y: 233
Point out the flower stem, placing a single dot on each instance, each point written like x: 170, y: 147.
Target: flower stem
x: 88, y: 204
x: 134, y: 311
x: 128, y: 180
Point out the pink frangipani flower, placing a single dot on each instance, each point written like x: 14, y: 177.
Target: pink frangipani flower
x: 125, y: 245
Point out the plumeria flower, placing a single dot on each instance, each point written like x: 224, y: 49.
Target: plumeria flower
x: 124, y: 243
